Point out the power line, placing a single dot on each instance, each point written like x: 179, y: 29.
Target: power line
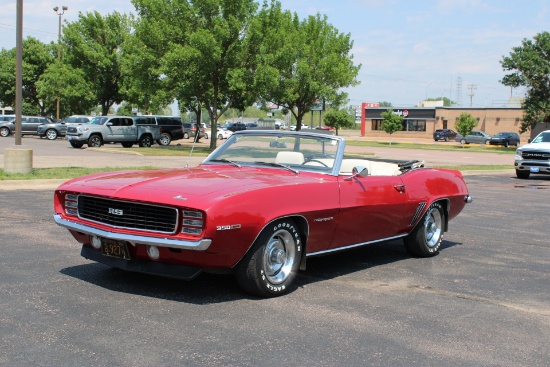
x: 9, y: 26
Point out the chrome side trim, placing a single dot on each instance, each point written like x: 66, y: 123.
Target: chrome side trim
x: 199, y: 245
x: 355, y: 245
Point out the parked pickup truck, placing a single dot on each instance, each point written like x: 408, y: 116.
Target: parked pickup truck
x: 112, y: 129
x: 534, y: 157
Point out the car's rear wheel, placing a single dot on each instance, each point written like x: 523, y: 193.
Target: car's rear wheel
x: 270, y: 266
x: 51, y: 134
x: 76, y: 145
x: 462, y: 141
x: 145, y: 141
x: 506, y: 144
x: 487, y: 142
x: 165, y: 139
x: 186, y: 135
x: 5, y: 132
x: 127, y: 145
x: 446, y: 138
x: 522, y: 174
x: 206, y: 135
x: 425, y: 240
x: 95, y: 141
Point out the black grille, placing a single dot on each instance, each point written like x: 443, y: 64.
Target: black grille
x: 536, y: 155
x: 125, y: 214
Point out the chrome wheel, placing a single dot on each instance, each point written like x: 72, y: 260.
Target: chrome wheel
x: 433, y: 227
x: 95, y: 141
x: 51, y: 134
x: 165, y: 139
x: 5, y: 132
x: 279, y: 256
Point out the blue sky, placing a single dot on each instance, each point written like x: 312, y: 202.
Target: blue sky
x: 408, y: 49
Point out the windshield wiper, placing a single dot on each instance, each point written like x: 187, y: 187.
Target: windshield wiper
x: 272, y: 164
x: 226, y: 161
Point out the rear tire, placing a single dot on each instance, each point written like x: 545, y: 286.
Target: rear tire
x: 425, y: 240
x: 462, y: 141
x: 270, y: 266
x: 186, y: 135
x: 145, y: 141
x: 95, y: 141
x: 206, y: 135
x: 522, y: 174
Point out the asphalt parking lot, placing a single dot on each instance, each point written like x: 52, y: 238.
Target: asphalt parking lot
x: 483, y: 301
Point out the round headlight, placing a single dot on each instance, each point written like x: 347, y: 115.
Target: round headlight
x: 153, y: 252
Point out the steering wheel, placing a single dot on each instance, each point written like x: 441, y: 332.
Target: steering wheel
x: 317, y: 161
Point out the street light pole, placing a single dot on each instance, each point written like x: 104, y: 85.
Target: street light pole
x: 60, y: 13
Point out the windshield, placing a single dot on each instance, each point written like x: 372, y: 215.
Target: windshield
x: 543, y: 137
x: 301, y: 152
x: 99, y: 120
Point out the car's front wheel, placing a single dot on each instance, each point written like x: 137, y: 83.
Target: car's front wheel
x: 95, y: 141
x: 4, y: 132
x: 446, y: 138
x: 220, y: 137
x: 522, y: 174
x: 165, y: 139
x: 76, y: 145
x: 270, y: 266
x: 425, y: 240
x: 51, y: 134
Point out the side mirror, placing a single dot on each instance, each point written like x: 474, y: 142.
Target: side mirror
x: 109, y: 124
x: 360, y: 171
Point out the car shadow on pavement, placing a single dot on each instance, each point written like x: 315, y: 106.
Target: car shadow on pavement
x: 218, y: 288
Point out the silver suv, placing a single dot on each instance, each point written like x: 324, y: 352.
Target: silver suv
x: 29, y: 125
x: 55, y: 129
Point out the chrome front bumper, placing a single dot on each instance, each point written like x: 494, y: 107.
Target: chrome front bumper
x: 200, y: 245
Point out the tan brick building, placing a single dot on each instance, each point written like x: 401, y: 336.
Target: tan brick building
x: 423, y: 121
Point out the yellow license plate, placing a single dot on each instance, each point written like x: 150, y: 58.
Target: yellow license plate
x: 115, y: 248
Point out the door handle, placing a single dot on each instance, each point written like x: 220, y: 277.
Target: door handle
x: 400, y: 188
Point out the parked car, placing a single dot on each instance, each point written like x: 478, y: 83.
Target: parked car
x: 234, y: 126
x: 444, y: 134
x: 112, y: 129
x: 251, y: 124
x: 190, y: 129
x: 475, y: 136
x: 534, y: 157
x: 29, y: 125
x: 221, y: 133
x: 293, y: 127
x: 257, y: 207
x: 171, y: 127
x: 53, y: 130
x: 505, y: 138
x: 4, y: 118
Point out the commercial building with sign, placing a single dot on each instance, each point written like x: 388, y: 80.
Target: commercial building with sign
x: 423, y: 121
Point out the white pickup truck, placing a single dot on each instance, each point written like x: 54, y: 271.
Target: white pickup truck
x: 112, y: 129
x: 534, y: 157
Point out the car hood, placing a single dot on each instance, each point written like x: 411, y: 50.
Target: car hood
x: 173, y: 185
x: 536, y: 146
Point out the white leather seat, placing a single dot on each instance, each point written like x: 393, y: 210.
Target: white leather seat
x: 289, y: 158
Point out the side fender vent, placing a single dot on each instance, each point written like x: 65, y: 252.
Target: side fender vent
x: 417, y: 213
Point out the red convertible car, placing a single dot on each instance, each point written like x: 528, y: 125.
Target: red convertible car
x: 257, y: 207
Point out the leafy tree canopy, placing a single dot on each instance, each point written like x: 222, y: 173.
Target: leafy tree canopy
x: 338, y: 119
x: 529, y: 66
x: 465, y: 123
x: 392, y: 122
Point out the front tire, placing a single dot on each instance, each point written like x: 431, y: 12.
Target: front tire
x: 425, y: 240
x: 145, y: 141
x: 51, y: 134
x: 95, y: 141
x: 165, y: 139
x: 270, y: 266
x: 522, y: 174
x: 76, y: 145
x: 5, y: 132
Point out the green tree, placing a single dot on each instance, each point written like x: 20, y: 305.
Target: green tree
x: 69, y: 85
x: 338, y: 119
x: 93, y: 44
x: 465, y: 123
x: 386, y: 104
x: 392, y: 122
x: 529, y: 65
x: 302, y: 61
x: 37, y: 56
x: 209, y: 58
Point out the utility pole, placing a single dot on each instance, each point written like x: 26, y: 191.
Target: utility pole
x: 471, y: 92
x: 60, y: 13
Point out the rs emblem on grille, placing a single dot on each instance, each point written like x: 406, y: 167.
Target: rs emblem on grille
x: 116, y: 211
